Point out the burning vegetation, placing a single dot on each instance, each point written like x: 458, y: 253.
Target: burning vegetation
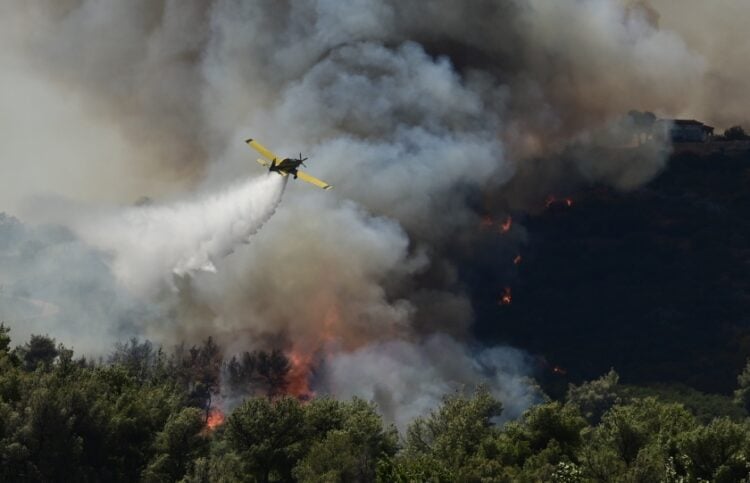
x: 215, y: 419
x: 506, y: 225
x: 506, y: 298
x: 488, y: 223
x: 553, y: 201
x: 298, y: 377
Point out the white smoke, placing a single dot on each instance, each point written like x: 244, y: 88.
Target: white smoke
x: 150, y: 245
x: 418, y: 112
x: 408, y: 380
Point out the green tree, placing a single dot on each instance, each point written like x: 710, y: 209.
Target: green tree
x: 332, y: 459
x: 322, y: 415
x: 635, y: 441
x: 717, y: 452
x: 140, y: 359
x: 176, y: 446
x: 199, y: 371
x: 346, y: 446
x: 452, y: 442
x: 40, y: 350
x: 258, y: 372
x: 223, y: 466
x: 4, y: 338
x: 742, y: 394
x: 268, y: 436
x: 594, y: 398
x: 537, y: 445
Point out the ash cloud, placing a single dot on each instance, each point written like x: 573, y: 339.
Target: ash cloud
x: 422, y: 115
x: 408, y: 380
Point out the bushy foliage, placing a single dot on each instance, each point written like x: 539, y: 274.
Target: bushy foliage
x: 736, y: 133
x: 594, y: 398
x: 137, y: 418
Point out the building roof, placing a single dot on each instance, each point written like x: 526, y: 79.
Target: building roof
x: 690, y: 122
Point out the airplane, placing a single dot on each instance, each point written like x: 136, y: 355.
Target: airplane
x: 285, y: 166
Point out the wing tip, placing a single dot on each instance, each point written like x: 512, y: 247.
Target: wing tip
x: 248, y: 141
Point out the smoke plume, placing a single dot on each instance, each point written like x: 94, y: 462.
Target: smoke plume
x: 424, y: 115
x: 150, y: 245
x: 408, y: 380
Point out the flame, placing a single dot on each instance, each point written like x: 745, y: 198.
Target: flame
x: 551, y: 200
x: 309, y: 350
x: 517, y: 260
x: 299, y: 374
x: 559, y: 370
x: 505, y: 226
x: 507, y: 297
x: 215, y: 419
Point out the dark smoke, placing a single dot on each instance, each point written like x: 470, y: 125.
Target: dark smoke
x: 425, y: 116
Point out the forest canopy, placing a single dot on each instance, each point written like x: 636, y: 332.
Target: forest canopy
x: 145, y: 414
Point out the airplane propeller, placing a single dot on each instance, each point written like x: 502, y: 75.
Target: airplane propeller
x: 302, y: 160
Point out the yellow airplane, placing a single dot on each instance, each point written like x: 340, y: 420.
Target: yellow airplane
x: 286, y: 166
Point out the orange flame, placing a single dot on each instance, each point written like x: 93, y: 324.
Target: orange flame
x: 517, y: 260
x: 299, y: 375
x: 215, y: 419
x: 568, y: 202
x: 505, y: 227
x: 506, y: 298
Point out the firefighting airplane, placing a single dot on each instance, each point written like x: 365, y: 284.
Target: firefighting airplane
x: 286, y: 166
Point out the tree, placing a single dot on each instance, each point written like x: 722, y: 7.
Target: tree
x: 322, y: 415
x: 223, y: 465
x: 332, y: 459
x: 636, y: 439
x: 543, y: 442
x: 258, y: 372
x: 450, y: 440
x: 268, y: 436
x: 140, y: 359
x: 4, y: 338
x: 736, y: 133
x: 594, y: 398
x: 347, y: 447
x: 742, y: 393
x: 39, y: 350
x: 717, y: 452
x: 177, y: 445
x: 199, y: 371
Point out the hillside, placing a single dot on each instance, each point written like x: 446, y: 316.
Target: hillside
x: 653, y: 282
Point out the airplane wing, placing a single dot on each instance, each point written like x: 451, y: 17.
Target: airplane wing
x: 262, y: 149
x: 311, y: 179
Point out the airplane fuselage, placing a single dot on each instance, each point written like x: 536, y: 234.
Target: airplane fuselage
x: 286, y: 165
